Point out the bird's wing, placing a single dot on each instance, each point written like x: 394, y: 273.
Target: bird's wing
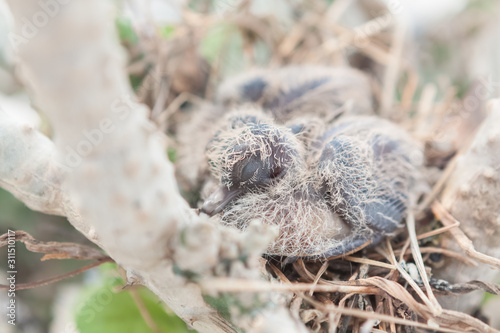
x: 353, y: 183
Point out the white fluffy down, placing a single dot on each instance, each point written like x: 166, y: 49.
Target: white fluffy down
x: 310, y: 222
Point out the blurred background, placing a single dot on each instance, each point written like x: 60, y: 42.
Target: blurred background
x: 424, y: 57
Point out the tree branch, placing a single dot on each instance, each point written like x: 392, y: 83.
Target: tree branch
x: 471, y: 197
x: 107, y: 170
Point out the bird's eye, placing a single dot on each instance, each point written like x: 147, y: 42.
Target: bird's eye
x: 249, y: 170
x: 277, y: 172
x: 279, y: 169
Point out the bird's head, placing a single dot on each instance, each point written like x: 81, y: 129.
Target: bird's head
x: 248, y: 156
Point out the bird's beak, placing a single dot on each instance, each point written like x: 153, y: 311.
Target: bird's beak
x: 219, y: 199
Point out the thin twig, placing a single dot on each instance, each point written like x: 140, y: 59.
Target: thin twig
x: 144, y: 311
x: 392, y: 70
x: 241, y: 285
x: 319, y: 275
x: 55, y: 250
x: 370, y: 262
x: 409, y: 90
x: 404, y: 249
x: 446, y: 252
x: 424, y: 110
x: 407, y: 277
x: 161, y: 98
x: 391, y: 313
x: 463, y: 241
x: 31, y: 285
x: 437, y: 187
x: 163, y: 117
x: 437, y: 231
x: 417, y: 256
x: 373, y: 315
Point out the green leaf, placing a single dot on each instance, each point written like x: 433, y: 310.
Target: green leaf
x: 220, y: 304
x: 167, y: 31
x: 216, y: 39
x: 108, y: 309
x: 136, y: 81
x: 172, y: 154
x: 125, y: 31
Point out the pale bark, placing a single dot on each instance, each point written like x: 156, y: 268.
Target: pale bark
x: 107, y: 170
x: 472, y: 196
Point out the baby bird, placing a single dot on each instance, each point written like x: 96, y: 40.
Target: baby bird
x: 295, y: 91
x: 285, y: 94
x: 342, y: 187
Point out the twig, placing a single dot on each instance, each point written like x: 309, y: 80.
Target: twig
x: 318, y: 276
x: 174, y: 106
x: 370, y: 262
x: 31, y: 285
x: 391, y: 313
x: 409, y: 90
x: 437, y: 231
x: 144, y: 311
x: 403, y: 250
x: 425, y: 108
x: 437, y: 187
x: 467, y: 287
x: 407, y: 277
x: 373, y: 315
x: 369, y: 48
x: 241, y: 285
x: 337, y: 316
x: 441, y: 110
x: 417, y: 256
x: 446, y: 252
x: 55, y: 250
x: 162, y: 97
x: 392, y: 69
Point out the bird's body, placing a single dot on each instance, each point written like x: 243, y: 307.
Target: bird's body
x: 328, y: 184
x: 296, y: 91
x: 350, y: 186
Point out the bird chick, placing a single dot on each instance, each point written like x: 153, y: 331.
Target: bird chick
x: 286, y: 95
x: 294, y: 91
x: 350, y: 185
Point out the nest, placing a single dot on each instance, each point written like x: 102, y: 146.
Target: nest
x: 386, y: 288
